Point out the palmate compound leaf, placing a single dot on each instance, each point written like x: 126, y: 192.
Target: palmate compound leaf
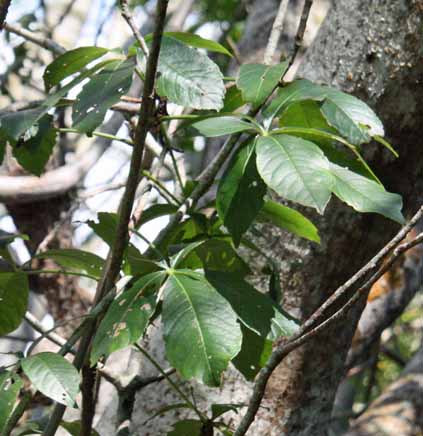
x: 127, y: 317
x: 257, y: 81
x: 53, y: 376
x: 188, y: 77
x: 253, y: 308
x: 10, y: 385
x: 13, y: 300
x: 353, y: 119
x: 201, y: 332
x: 296, y: 169
x: 365, y: 195
x: 15, y: 124
x: 69, y: 63
x: 219, y: 126
x: 240, y: 195
x: 288, y: 219
x: 255, y: 352
x: 103, y: 90
x: 75, y: 259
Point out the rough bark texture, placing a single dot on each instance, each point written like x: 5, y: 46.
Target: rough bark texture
x: 398, y: 410
x: 374, y: 50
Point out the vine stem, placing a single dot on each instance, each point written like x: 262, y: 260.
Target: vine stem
x: 115, y: 256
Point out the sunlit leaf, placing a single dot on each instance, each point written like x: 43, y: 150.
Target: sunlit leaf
x: 219, y: 126
x: 102, y: 91
x: 257, y: 81
x: 75, y: 259
x: 53, y: 376
x: 296, y: 169
x: 289, y: 219
x: 200, y: 328
x: 69, y: 63
x: 365, y: 195
x: 188, y: 77
x: 127, y: 317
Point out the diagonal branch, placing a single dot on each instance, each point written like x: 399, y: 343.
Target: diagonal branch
x: 40, y: 40
x: 276, y: 32
x: 114, y: 259
x: 307, y: 331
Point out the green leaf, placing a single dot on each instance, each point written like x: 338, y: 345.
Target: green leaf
x: 15, y: 124
x: 69, y: 63
x: 156, y: 211
x: 101, y: 92
x: 188, y: 77
x: 365, y: 195
x: 220, y: 409
x: 187, y: 427
x: 289, y: 219
x: 75, y: 259
x: 305, y: 114
x: 127, y: 317
x: 215, y: 255
x: 106, y: 226
x: 350, y: 116
x: 386, y: 144
x: 219, y: 126
x: 255, y: 352
x: 198, y: 42
x: 294, y: 91
x: 240, y: 193
x: 13, y: 300
x: 254, y: 309
x: 53, y: 376
x: 201, y: 332
x: 296, y: 169
x: 257, y: 81
x: 34, y: 153
x: 233, y: 99
x: 10, y: 385
x: 74, y: 428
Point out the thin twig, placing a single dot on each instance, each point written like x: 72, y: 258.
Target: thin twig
x: 305, y: 333
x: 39, y: 40
x: 114, y: 259
x: 126, y: 14
x: 301, y: 29
x: 276, y: 32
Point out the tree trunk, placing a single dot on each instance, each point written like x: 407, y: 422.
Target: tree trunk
x: 372, y: 49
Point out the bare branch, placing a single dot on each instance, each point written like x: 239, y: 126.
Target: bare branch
x: 39, y: 40
x: 306, y: 331
x: 126, y: 14
x: 301, y: 29
x: 114, y: 259
x: 276, y: 32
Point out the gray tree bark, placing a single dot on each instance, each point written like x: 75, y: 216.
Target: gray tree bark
x: 373, y: 50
